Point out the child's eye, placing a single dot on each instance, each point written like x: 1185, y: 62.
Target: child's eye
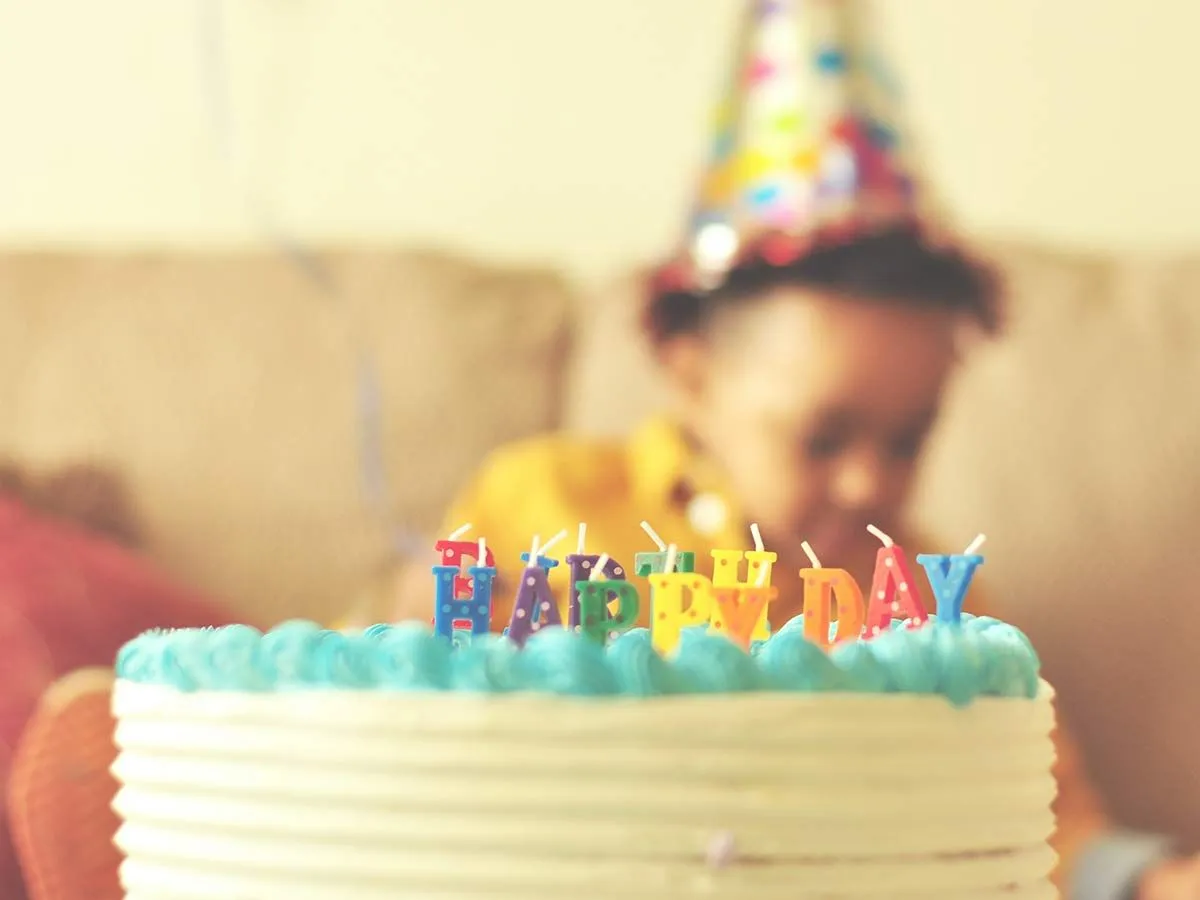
x: 908, y: 447
x: 824, y: 446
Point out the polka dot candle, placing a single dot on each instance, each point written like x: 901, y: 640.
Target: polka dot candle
x: 678, y: 600
x: 597, y: 620
x: 949, y: 577
x: 726, y: 574
x: 603, y: 601
x: 582, y: 565
x: 823, y: 590
x: 893, y: 590
x: 534, y: 607
x: 455, y: 552
x: 452, y: 612
x: 737, y: 611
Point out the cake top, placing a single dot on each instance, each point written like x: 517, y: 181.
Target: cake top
x: 979, y: 657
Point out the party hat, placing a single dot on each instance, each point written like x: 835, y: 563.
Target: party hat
x: 806, y: 146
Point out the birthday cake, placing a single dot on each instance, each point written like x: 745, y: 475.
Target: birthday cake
x: 834, y: 759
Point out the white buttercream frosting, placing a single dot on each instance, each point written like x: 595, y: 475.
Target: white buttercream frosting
x: 333, y: 795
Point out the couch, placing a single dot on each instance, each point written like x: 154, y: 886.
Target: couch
x: 227, y: 389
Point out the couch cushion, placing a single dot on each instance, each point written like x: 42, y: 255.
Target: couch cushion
x: 224, y: 388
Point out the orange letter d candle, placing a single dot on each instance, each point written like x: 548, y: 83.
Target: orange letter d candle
x: 823, y: 588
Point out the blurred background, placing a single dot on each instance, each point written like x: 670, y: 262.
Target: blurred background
x: 292, y: 268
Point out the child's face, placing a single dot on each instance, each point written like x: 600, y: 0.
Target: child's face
x: 817, y: 408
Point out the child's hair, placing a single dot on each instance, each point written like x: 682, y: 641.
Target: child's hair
x: 898, y: 265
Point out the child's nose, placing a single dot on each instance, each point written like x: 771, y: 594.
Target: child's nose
x: 860, y: 483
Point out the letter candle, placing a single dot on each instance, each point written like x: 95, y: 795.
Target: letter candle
x: 822, y: 589
x: 893, y: 591
x: 453, y: 550
x: 584, y: 568
x: 534, y: 607
x: 949, y: 577
x: 758, y: 564
x: 678, y: 600
x: 740, y: 608
x: 737, y: 611
x: 656, y: 563
x: 597, y: 622
x: 474, y: 610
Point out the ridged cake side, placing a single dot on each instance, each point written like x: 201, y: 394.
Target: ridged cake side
x: 328, y: 794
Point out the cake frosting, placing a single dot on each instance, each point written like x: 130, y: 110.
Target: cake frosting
x: 982, y: 657
x: 306, y: 763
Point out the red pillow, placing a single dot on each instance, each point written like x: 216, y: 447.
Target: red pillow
x: 70, y: 599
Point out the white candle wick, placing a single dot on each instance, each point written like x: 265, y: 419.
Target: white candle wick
x: 582, y: 538
x: 757, y: 535
x: 812, y: 557
x: 533, y: 551
x: 482, y: 561
x: 598, y: 568
x: 884, y: 539
x: 550, y: 543
x: 459, y: 531
x: 653, y: 536
x: 974, y: 546
x: 669, y: 563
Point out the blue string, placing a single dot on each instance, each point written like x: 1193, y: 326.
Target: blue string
x: 373, y: 472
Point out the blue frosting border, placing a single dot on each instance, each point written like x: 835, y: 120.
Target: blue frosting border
x: 980, y: 657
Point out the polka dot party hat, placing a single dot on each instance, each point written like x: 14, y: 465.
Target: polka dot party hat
x: 806, y: 146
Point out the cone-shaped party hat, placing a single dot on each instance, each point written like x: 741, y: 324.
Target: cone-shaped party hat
x: 806, y: 146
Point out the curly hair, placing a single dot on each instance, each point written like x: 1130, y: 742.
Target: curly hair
x: 897, y: 265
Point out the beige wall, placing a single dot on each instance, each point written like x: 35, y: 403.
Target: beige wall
x: 562, y: 129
